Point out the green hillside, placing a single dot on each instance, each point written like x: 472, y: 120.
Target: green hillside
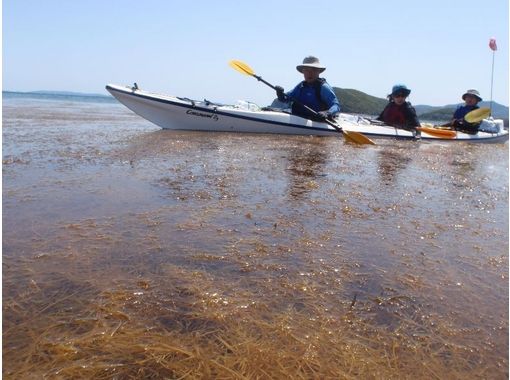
x: 354, y: 101
x: 438, y: 114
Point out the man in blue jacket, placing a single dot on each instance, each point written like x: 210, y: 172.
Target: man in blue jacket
x: 471, y: 99
x: 313, y: 92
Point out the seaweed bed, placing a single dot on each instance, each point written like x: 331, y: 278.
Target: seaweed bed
x: 130, y: 252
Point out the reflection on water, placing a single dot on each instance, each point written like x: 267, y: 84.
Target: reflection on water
x: 131, y: 252
x: 306, y: 164
x: 391, y: 162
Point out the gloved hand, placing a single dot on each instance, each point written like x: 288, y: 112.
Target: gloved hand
x: 280, y: 93
x: 323, y: 115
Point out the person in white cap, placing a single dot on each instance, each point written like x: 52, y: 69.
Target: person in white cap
x: 471, y: 99
x: 314, y: 92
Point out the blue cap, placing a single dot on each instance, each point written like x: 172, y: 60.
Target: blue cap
x: 400, y: 88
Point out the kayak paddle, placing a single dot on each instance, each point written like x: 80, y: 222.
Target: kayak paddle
x: 473, y: 117
x: 477, y: 115
x: 427, y: 128
x: 443, y: 133
x: 356, y: 137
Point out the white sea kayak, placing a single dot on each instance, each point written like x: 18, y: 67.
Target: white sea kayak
x: 171, y: 112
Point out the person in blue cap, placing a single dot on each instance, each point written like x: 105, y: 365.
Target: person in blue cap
x: 398, y: 112
x: 314, y: 92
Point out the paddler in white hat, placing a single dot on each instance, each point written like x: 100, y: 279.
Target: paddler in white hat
x: 314, y: 92
x: 471, y: 99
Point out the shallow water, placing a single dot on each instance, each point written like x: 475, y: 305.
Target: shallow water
x: 133, y: 252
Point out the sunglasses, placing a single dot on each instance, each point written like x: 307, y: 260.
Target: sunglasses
x: 400, y: 96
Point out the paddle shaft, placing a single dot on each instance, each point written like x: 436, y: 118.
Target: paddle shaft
x: 355, y: 137
x: 439, y: 133
x: 299, y: 103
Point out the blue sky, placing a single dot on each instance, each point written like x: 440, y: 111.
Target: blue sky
x: 439, y: 49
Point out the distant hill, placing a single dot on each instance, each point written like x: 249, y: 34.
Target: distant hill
x: 358, y: 102
x: 437, y: 113
x: 444, y: 113
x: 421, y: 109
x: 354, y: 101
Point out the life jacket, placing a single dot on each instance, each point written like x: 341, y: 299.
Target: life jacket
x: 298, y: 109
x: 318, y: 85
x: 463, y: 111
x: 394, y: 114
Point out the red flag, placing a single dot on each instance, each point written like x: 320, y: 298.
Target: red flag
x: 492, y: 44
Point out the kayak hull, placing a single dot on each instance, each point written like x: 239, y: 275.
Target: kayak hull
x: 169, y: 112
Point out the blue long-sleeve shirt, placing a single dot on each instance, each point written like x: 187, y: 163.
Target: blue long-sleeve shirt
x: 461, y: 111
x: 305, y: 93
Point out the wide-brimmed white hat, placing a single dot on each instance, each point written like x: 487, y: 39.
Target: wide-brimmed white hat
x: 474, y: 93
x: 310, y: 61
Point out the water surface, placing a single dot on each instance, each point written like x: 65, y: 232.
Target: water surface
x: 129, y: 251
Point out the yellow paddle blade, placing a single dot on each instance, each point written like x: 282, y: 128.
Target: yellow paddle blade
x: 443, y: 133
x: 241, y: 67
x: 357, y: 137
x: 477, y: 115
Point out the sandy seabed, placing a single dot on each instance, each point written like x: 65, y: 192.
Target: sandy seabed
x: 133, y: 252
